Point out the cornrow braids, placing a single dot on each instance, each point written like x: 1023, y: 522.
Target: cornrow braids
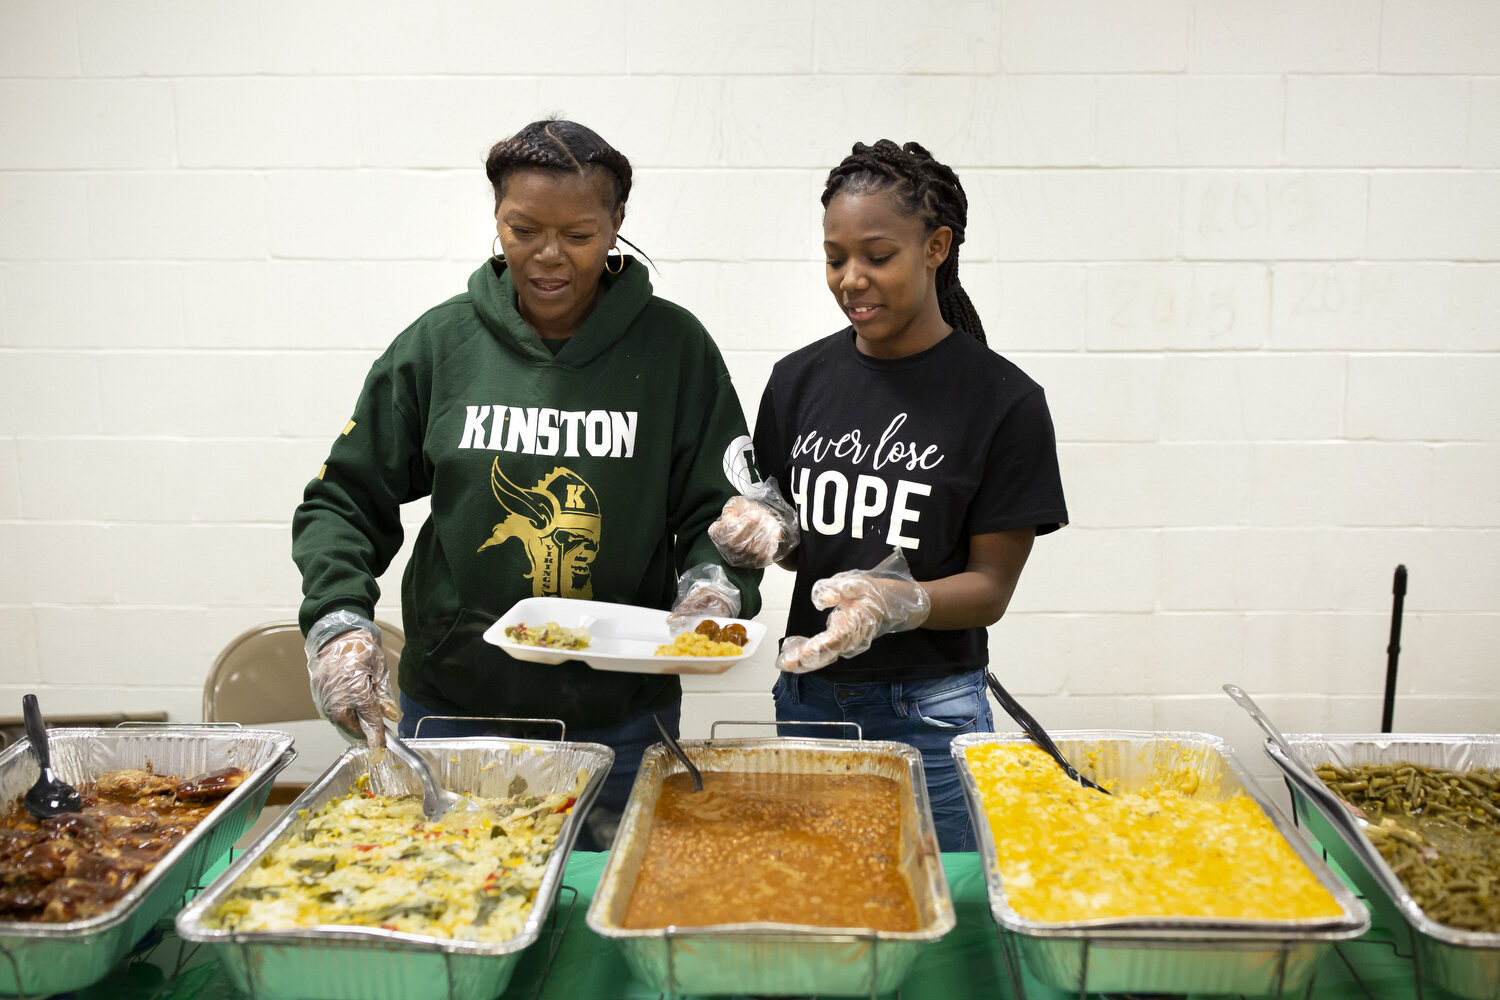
x: 924, y: 188
x: 561, y: 145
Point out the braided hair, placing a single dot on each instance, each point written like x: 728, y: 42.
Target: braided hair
x: 559, y: 145
x: 922, y: 187
x: 563, y: 146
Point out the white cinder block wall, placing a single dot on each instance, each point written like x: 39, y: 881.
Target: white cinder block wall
x: 1249, y: 248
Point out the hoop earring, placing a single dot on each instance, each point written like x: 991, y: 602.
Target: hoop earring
x: 495, y: 254
x: 620, y: 258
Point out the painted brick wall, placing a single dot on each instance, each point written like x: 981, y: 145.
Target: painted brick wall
x: 1250, y: 249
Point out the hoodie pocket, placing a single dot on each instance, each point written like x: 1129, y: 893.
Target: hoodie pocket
x: 467, y: 628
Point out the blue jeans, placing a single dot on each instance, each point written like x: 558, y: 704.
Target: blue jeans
x: 628, y: 739
x: 924, y: 714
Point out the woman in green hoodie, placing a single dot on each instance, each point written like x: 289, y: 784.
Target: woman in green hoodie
x: 576, y: 436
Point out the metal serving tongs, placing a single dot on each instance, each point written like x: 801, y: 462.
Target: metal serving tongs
x: 1036, y: 732
x: 1312, y: 784
x: 436, y: 800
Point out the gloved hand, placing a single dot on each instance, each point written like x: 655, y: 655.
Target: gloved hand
x: 866, y: 604
x: 756, y: 528
x: 350, y: 684
x: 702, y: 591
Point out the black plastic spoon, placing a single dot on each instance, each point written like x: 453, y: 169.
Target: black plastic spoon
x: 50, y: 796
x: 1037, y: 733
x: 677, y: 750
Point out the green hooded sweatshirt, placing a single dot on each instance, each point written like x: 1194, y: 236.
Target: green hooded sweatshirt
x: 592, y: 473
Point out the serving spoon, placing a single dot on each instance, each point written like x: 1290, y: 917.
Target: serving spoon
x: 437, y: 801
x: 1036, y: 732
x: 676, y: 749
x: 50, y: 796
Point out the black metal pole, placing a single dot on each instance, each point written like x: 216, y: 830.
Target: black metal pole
x: 1393, y: 651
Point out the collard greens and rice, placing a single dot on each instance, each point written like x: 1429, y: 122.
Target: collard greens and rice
x: 550, y: 635
x: 374, y: 861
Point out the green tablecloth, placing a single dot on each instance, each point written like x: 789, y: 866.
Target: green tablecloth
x: 968, y: 962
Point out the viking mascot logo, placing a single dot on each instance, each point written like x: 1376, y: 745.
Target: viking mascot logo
x: 557, y: 523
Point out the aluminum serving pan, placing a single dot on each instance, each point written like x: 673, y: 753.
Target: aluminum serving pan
x: 776, y: 958
x: 1466, y: 963
x: 43, y: 958
x: 369, y: 963
x: 1162, y: 954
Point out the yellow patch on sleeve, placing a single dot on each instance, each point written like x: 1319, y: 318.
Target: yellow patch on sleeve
x: 323, y: 470
x: 348, y: 427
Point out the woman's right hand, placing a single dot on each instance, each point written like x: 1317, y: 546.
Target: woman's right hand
x: 863, y: 604
x: 349, y: 680
x: 756, y: 529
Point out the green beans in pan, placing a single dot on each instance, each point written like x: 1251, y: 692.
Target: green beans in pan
x: 1438, y: 829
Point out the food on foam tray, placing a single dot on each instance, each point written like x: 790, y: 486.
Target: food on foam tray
x: 1068, y: 853
x: 551, y: 635
x: 1438, y: 829
x: 78, y: 865
x: 708, y: 639
x: 373, y: 861
x: 734, y: 632
x: 819, y: 849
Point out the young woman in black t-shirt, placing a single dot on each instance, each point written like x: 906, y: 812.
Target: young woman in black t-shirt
x: 908, y: 470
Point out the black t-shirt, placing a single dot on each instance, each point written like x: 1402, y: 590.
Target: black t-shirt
x: 920, y: 452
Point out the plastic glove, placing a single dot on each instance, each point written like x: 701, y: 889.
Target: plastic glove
x: 866, y: 604
x: 756, y: 528
x: 350, y: 684
x: 702, y: 591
